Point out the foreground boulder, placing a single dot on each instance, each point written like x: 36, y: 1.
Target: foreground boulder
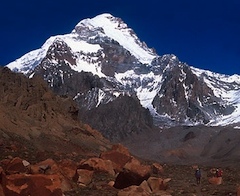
x: 215, y: 180
x: 119, y: 155
x: 158, y: 184
x: 67, y: 168
x: 157, y: 169
x: 134, y: 173
x: 19, y: 177
x: 112, y: 170
x: 83, y: 177
x: 132, y: 191
x: 97, y: 164
x: 17, y: 165
x: 25, y: 184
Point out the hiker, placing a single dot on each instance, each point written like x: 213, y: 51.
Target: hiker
x: 198, y: 175
x: 219, y: 173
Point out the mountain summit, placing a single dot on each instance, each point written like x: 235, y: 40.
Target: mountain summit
x: 102, y: 61
x: 81, y: 39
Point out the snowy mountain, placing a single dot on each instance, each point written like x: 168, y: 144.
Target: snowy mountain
x: 102, y: 59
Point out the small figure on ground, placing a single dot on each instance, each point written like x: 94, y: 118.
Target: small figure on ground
x: 218, y: 173
x: 198, y: 175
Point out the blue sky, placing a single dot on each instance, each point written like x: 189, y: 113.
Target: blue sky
x: 204, y: 34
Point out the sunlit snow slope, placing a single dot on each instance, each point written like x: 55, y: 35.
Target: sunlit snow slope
x: 172, y: 90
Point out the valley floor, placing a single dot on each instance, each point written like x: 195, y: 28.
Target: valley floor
x: 184, y: 183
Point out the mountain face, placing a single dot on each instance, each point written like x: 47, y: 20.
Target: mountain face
x: 102, y: 62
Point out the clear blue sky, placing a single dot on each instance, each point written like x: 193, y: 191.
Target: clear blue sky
x: 204, y: 34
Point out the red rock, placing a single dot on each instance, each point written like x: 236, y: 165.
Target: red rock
x: 35, y: 169
x: 155, y: 183
x: 145, y: 186
x: 215, y: 180
x: 119, y: 159
x: 135, y: 166
x: 48, y: 166
x: 24, y: 184
x: 164, y: 185
x: 97, y: 164
x: 134, y: 173
x: 120, y: 148
x: 4, y: 163
x: 133, y: 191
x: 119, y: 155
x: 111, y: 183
x: 66, y: 185
x: 68, y: 168
x: 83, y: 176
x: 157, y: 168
x: 16, y: 166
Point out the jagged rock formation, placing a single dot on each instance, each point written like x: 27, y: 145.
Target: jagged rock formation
x: 193, y: 99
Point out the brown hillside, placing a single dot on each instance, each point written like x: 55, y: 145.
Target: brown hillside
x: 33, y: 118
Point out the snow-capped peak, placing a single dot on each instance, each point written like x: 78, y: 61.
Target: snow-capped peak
x: 106, y: 26
x: 107, y: 47
x: 116, y: 29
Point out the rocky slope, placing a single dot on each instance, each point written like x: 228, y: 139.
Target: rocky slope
x: 35, y: 118
x: 114, y: 172
x: 188, y: 145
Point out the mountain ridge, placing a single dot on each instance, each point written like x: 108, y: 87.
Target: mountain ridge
x: 107, y: 52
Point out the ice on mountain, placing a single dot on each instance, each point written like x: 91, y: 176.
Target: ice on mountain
x: 145, y: 75
x: 111, y: 27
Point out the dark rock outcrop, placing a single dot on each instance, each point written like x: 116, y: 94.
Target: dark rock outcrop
x: 120, y: 118
x: 186, y: 97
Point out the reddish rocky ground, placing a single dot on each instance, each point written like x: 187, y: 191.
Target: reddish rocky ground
x: 113, y: 172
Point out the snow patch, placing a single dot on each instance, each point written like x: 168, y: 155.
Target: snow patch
x: 83, y: 65
x: 118, y: 31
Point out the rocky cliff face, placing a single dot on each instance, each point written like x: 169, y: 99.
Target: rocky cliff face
x: 90, y: 91
x: 186, y: 97
x: 103, y: 59
x: 120, y: 118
